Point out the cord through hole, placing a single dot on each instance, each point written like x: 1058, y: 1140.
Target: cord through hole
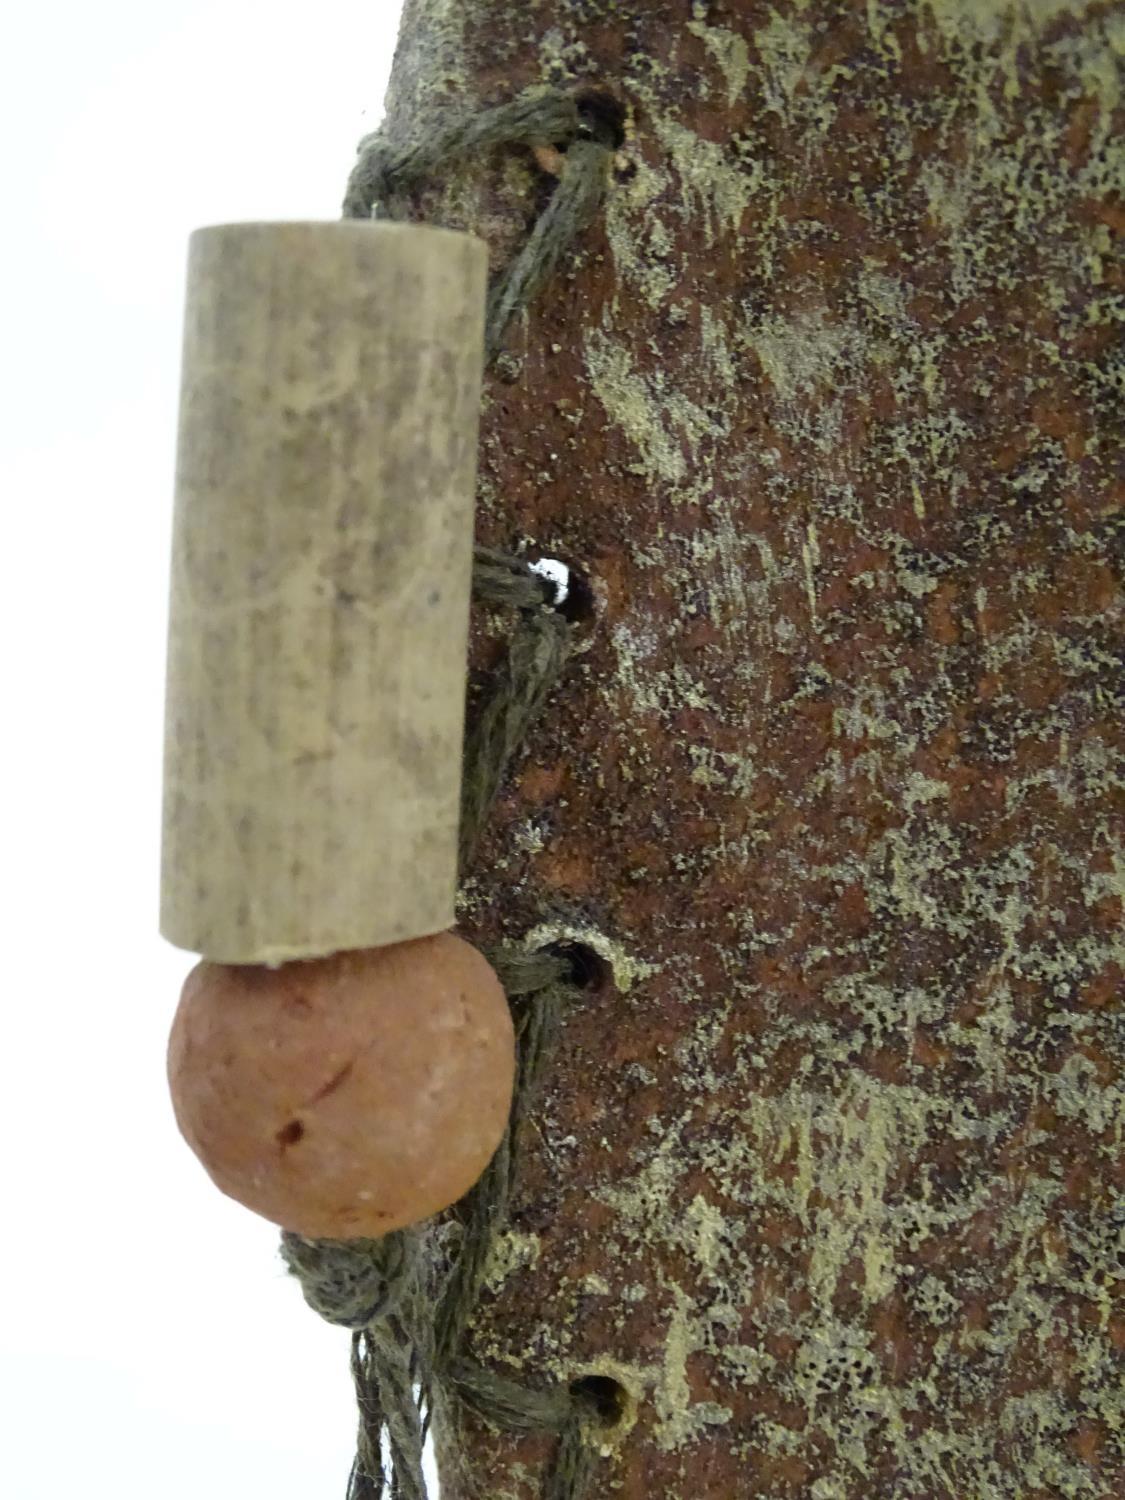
x: 574, y: 596
x: 604, y: 114
x: 579, y: 606
x: 606, y: 1397
x: 588, y: 969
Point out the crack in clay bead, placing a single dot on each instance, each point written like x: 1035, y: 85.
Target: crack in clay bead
x: 347, y: 1096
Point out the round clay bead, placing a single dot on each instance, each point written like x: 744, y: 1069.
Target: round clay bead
x: 347, y: 1096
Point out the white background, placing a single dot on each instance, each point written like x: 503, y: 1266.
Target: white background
x: 151, y: 1344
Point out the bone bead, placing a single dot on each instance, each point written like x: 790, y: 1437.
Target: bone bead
x: 321, y: 564
x: 346, y: 1096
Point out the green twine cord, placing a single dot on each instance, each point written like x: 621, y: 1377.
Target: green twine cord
x: 573, y: 1469
x: 535, y: 658
x: 572, y: 207
x: 408, y: 1297
x: 355, y: 1288
x: 384, y: 170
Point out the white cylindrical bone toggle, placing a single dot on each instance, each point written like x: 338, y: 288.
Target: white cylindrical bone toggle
x: 321, y: 565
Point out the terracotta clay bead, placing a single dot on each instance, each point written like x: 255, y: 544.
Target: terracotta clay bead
x: 346, y: 1096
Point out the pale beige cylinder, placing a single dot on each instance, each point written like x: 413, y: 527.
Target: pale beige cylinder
x: 321, y: 565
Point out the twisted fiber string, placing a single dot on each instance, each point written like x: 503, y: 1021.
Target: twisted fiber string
x: 573, y: 1469
x: 366, y: 1480
x: 572, y: 207
x: 408, y: 1304
x: 408, y: 1314
x: 535, y: 658
x: 387, y: 1350
x: 384, y: 169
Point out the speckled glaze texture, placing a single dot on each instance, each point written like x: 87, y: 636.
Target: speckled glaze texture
x: 829, y: 407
